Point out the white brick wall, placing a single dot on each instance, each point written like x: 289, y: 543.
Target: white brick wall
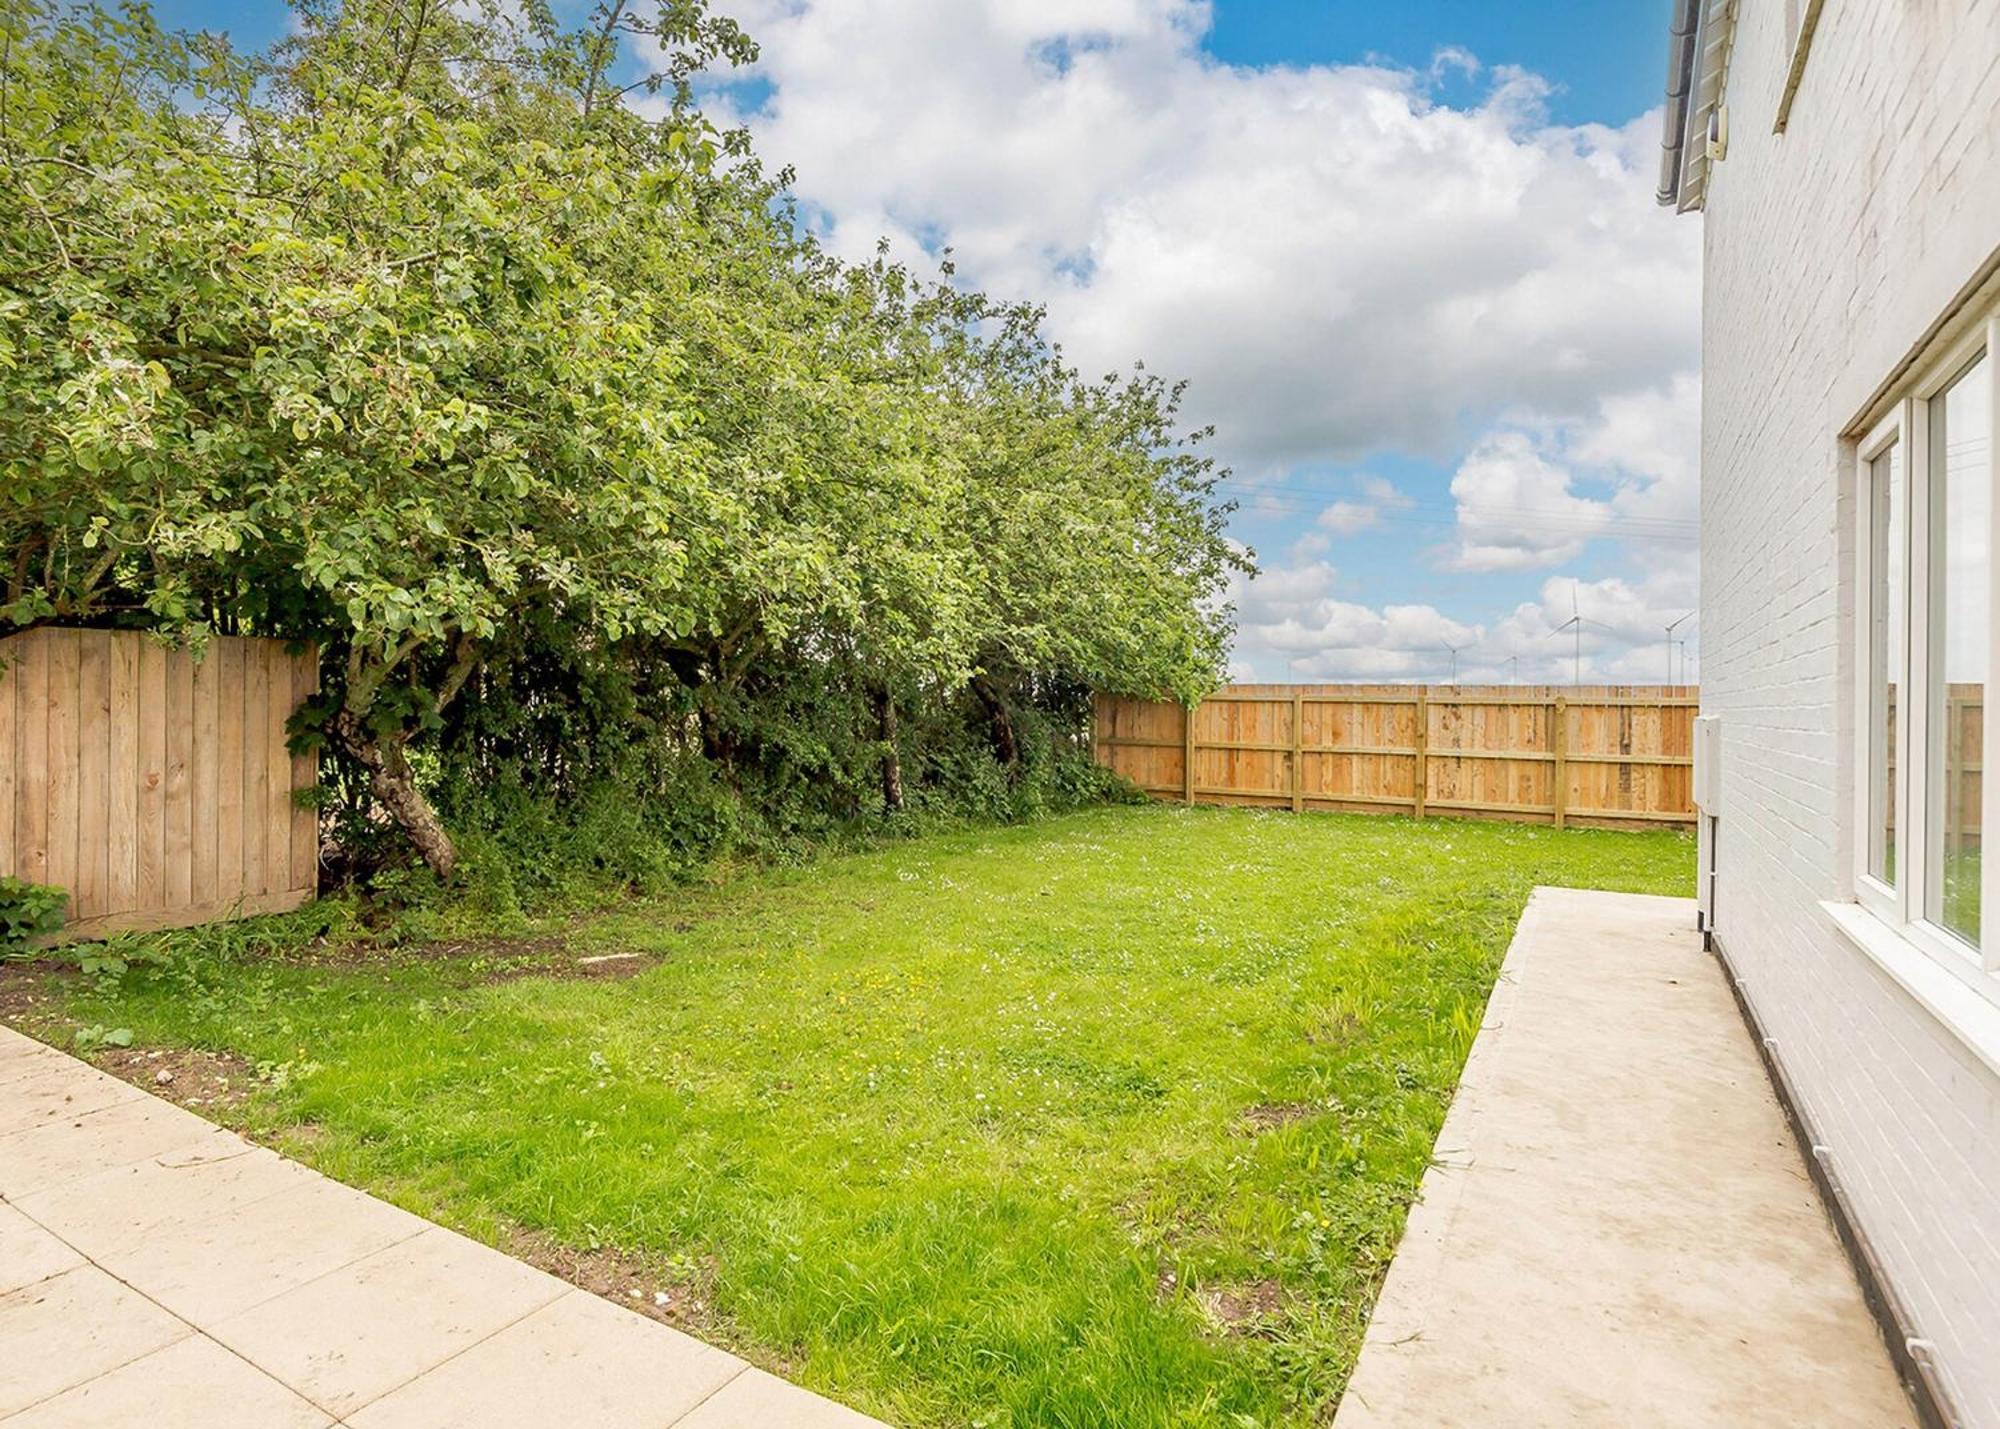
x: 1830, y: 250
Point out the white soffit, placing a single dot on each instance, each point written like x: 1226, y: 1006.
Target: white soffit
x: 1715, y: 41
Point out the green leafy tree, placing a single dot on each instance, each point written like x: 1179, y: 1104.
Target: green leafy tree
x: 421, y: 339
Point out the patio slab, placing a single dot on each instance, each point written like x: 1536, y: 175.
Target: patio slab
x: 157, y: 1269
x: 1618, y: 1227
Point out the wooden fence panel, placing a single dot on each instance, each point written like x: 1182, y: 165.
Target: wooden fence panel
x: 154, y: 786
x: 1144, y: 740
x: 1617, y: 755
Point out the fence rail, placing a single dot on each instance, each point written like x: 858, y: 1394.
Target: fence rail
x: 1600, y: 755
x: 156, y: 788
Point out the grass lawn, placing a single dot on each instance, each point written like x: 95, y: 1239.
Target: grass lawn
x: 1107, y: 1120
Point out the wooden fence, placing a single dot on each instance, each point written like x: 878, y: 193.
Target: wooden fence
x: 156, y: 788
x: 1604, y: 755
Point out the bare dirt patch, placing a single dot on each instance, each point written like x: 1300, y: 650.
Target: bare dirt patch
x: 673, y: 1291
x: 1246, y: 1309
x: 594, y: 967
x: 30, y: 996
x: 480, y: 962
x: 209, y: 1082
x: 367, y: 953
x: 1269, y: 1116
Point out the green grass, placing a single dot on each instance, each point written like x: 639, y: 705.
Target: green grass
x: 961, y: 1130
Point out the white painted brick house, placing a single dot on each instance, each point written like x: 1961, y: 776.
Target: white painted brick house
x: 1846, y: 157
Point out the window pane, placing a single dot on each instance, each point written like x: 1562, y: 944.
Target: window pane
x: 1885, y: 654
x: 1961, y: 428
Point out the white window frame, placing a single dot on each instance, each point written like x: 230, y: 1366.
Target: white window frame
x: 1882, y: 899
x: 1902, y: 910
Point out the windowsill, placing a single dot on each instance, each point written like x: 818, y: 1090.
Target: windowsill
x: 1973, y: 1019
x: 1795, y: 72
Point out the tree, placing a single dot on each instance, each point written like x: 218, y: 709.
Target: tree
x: 418, y: 340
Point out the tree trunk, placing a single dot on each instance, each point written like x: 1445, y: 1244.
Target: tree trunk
x: 999, y: 725
x: 892, y: 760
x: 386, y: 756
x: 394, y: 786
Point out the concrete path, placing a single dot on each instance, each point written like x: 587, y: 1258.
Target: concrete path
x: 157, y: 1270
x: 1618, y: 1229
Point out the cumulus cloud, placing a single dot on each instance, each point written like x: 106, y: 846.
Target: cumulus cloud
x: 1292, y: 624
x: 1344, y: 518
x: 1295, y: 615
x: 1337, y: 261
x: 1516, y: 509
x: 1340, y: 263
x: 1517, y: 492
x: 1624, y: 621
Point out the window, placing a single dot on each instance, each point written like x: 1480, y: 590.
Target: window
x: 1961, y: 419
x: 1885, y: 652
x: 1927, y: 591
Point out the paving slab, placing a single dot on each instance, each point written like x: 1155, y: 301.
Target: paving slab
x: 191, y: 1384
x: 162, y: 1197
x: 73, y: 1147
x: 768, y: 1402
x: 71, y: 1328
x: 21, y: 1055
x: 158, y: 1270
x: 28, y: 1253
x: 51, y: 1092
x: 218, y: 1266
x: 411, y: 1307
x: 1618, y: 1227
x: 578, y: 1360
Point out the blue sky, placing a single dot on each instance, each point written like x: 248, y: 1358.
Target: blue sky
x: 1607, y: 56
x: 1405, y: 254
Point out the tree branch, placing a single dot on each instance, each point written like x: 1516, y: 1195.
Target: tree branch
x: 598, y: 57
x: 200, y: 354
x: 416, y: 38
x: 465, y: 659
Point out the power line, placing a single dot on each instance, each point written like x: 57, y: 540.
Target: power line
x: 1618, y: 527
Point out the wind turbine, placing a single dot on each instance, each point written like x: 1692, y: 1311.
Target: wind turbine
x: 1575, y: 626
x: 1454, y: 649
x: 1670, y: 643
x: 1513, y: 669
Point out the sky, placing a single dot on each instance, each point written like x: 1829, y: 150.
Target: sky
x: 1406, y: 256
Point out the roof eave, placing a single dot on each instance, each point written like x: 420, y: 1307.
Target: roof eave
x: 1706, y: 50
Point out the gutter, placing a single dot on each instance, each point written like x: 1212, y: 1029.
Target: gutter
x: 1681, y: 46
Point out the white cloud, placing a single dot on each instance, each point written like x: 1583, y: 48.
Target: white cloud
x: 1339, y: 518
x: 1292, y: 624
x: 1292, y: 616
x: 1515, y: 507
x: 1338, y: 262
x: 1344, y: 518
x: 1381, y: 491
x: 1624, y: 639
x: 1518, y: 507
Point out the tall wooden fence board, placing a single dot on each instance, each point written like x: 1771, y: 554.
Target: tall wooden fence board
x: 155, y: 787
x: 1619, y: 755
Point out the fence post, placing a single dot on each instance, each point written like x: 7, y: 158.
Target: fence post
x: 1423, y: 773
x: 1559, y: 737
x: 1187, y: 753
x: 1298, y: 751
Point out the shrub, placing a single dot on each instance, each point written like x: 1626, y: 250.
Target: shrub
x: 28, y: 912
